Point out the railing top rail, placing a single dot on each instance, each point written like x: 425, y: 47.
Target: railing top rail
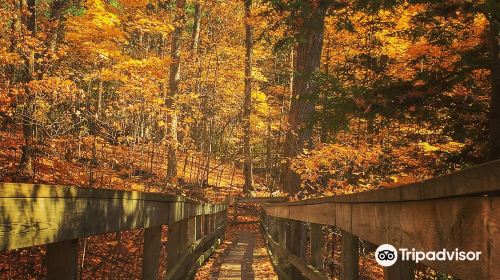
x: 32, y: 215
x: 458, y: 210
x: 19, y: 190
x: 260, y: 199
x: 483, y: 179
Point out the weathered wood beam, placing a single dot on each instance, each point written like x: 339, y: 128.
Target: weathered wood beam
x: 32, y: 215
x: 350, y: 257
x: 62, y: 260
x: 206, y: 225
x: 478, y: 180
x: 467, y: 223
x: 174, y: 245
x: 235, y: 212
x: 151, y: 253
x: 400, y: 270
x: 212, y: 221
x: 307, y: 271
x: 191, y: 230
x: 190, y: 258
x: 317, y: 244
x: 259, y: 199
x: 198, y: 228
x: 271, y: 251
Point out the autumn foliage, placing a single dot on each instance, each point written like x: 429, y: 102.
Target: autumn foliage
x: 200, y: 98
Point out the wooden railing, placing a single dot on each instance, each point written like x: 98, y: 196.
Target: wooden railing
x: 456, y: 211
x: 58, y: 216
x: 252, y: 200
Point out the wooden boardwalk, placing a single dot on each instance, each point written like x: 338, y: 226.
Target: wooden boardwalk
x: 458, y: 211
x: 238, y: 263
x: 243, y: 255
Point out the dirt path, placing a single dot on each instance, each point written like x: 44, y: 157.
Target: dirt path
x: 243, y: 255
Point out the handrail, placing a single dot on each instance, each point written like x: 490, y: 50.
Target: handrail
x: 459, y: 210
x: 480, y: 180
x: 309, y: 271
x: 32, y: 215
x: 260, y: 200
x: 190, y: 259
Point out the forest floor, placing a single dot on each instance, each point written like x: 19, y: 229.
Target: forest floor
x: 120, y: 167
x: 242, y: 255
x: 93, y: 163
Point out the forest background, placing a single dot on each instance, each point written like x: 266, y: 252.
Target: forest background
x: 205, y: 98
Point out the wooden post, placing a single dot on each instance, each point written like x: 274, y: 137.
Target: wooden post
x: 217, y: 219
x: 400, y: 270
x: 272, y: 227
x: 273, y: 232
x: 181, y: 228
x: 267, y: 218
x: 282, y: 259
x: 62, y: 260
x: 151, y: 253
x: 235, y: 211
x: 206, y: 225
x: 350, y: 256
x: 282, y: 232
x: 295, y: 231
x: 270, y: 220
x: 173, y: 244
x: 190, y: 231
x: 228, y: 203
x: 317, y: 244
x: 262, y: 215
x: 221, y: 218
x: 184, y: 237
x: 198, y: 227
x: 212, y: 222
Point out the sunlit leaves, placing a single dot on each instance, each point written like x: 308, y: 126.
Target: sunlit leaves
x: 97, y: 32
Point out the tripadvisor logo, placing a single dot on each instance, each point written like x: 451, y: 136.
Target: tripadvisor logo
x: 387, y: 255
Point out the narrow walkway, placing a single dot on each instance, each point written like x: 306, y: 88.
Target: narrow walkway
x: 238, y: 264
x: 243, y: 255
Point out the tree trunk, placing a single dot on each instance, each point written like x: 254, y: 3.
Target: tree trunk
x: 196, y: 27
x: 269, y: 142
x: 247, y: 106
x: 15, y: 36
x: 25, y: 164
x: 324, y: 100
x: 173, y: 85
x: 56, y: 18
x: 285, y: 109
x: 305, y: 91
x: 493, y: 42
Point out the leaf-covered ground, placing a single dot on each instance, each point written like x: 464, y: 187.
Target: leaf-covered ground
x: 94, y: 163
x: 119, y: 167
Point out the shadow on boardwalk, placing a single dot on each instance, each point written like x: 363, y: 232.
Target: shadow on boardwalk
x: 241, y: 256
x: 238, y: 263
